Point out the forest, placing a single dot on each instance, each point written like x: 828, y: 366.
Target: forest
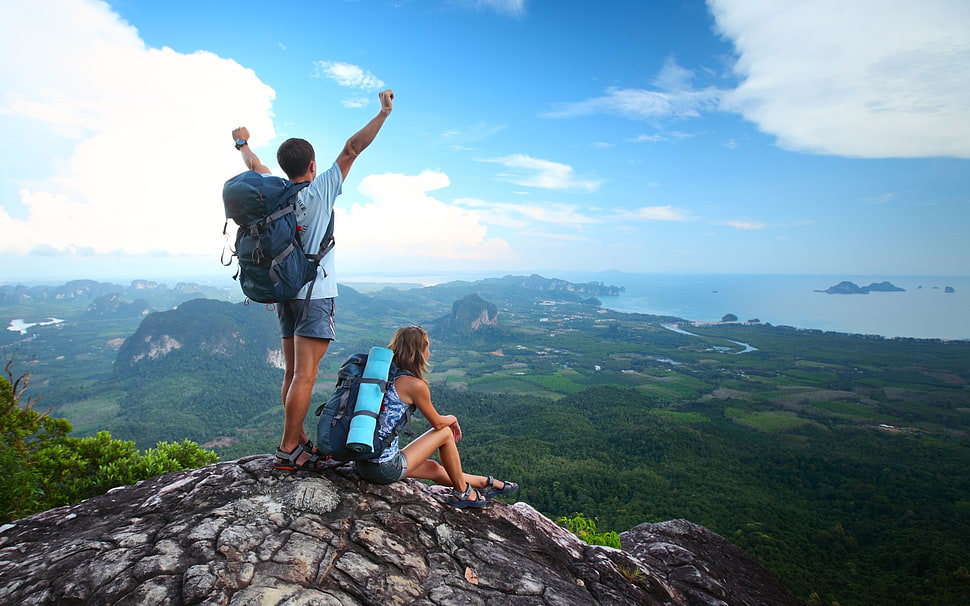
x: 840, y: 461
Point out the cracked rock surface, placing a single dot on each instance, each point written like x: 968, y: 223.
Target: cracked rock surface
x: 242, y: 533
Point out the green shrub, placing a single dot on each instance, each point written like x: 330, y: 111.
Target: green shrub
x: 585, y: 529
x: 46, y: 468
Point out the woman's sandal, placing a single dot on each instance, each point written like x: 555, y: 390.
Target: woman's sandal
x: 287, y: 461
x: 491, y: 491
x: 463, y: 499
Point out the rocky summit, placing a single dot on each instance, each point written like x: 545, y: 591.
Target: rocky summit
x: 242, y: 533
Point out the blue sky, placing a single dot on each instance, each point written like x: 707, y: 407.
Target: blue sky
x: 728, y: 136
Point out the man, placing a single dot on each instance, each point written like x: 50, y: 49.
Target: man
x: 306, y: 337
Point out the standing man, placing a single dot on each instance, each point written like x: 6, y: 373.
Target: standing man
x: 306, y: 337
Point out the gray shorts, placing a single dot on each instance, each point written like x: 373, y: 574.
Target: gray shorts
x: 387, y: 472
x: 318, y: 323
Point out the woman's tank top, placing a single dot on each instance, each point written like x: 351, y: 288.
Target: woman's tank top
x: 391, y: 414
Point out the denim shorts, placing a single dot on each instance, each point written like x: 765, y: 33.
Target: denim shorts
x: 318, y: 323
x: 387, y: 472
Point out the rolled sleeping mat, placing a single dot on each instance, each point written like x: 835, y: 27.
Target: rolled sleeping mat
x: 373, y: 384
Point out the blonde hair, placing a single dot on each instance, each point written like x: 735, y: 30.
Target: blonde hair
x: 409, y: 345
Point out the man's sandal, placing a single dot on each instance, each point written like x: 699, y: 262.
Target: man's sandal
x: 463, y: 499
x: 287, y: 461
x: 491, y: 491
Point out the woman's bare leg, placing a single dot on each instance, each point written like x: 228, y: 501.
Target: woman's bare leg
x: 449, y: 472
x: 422, y: 466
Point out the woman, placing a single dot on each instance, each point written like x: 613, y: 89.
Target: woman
x: 412, y: 349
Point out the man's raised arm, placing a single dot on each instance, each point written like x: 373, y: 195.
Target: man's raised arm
x: 365, y: 136
x: 241, y: 137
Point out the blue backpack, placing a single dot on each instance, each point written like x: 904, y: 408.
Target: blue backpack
x: 273, y: 266
x: 338, y: 411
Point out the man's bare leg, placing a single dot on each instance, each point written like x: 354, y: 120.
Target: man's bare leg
x: 287, y: 368
x: 302, y: 356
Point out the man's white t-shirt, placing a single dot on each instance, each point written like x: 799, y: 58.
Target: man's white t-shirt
x: 314, y: 204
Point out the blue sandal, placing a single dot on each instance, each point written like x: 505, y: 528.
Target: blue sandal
x: 491, y: 491
x: 463, y: 499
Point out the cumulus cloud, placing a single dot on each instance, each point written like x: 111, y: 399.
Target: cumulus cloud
x: 129, y: 145
x: 546, y: 174
x: 401, y: 222
x: 146, y: 136
x: 868, y: 78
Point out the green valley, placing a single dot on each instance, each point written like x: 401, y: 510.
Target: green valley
x: 840, y: 461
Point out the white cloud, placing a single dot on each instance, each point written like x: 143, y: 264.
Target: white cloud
x: 533, y: 214
x: 348, y: 75
x: 536, y: 215
x: 661, y: 213
x: 660, y: 137
x: 142, y: 134
x: 512, y: 8
x: 147, y: 139
x: 461, y: 138
x: 355, y: 102
x: 535, y: 172
x: 744, y: 224
x: 881, y: 199
x: 867, y: 78
x: 648, y: 138
x: 556, y: 237
x: 675, y: 97
x: 401, y: 224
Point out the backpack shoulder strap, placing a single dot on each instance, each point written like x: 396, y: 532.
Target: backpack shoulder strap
x: 326, y: 244
x: 293, y: 188
x: 395, y: 372
x: 404, y: 423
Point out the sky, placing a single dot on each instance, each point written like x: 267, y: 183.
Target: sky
x: 527, y: 136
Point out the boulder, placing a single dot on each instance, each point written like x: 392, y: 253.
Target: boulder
x: 240, y: 533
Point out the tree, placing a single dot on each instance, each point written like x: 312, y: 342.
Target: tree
x: 44, y: 467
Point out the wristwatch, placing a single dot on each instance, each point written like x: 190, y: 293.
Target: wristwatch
x: 240, y: 143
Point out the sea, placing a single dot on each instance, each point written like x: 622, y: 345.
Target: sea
x: 929, y: 307
x: 924, y: 309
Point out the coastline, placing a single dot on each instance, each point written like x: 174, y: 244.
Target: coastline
x: 923, y: 310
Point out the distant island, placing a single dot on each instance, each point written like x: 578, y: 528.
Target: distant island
x: 851, y: 288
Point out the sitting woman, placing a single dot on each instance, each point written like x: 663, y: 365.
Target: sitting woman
x: 412, y: 349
